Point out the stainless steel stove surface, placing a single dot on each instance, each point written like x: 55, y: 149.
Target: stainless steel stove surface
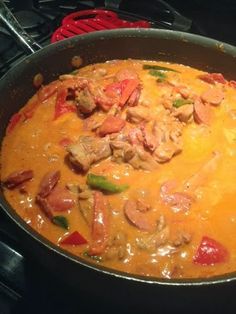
x: 26, y: 287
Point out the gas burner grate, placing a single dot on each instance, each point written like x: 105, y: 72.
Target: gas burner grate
x: 40, y: 18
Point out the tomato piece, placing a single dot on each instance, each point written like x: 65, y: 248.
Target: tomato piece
x: 100, y: 225
x: 15, y: 119
x: 111, y: 125
x: 62, y: 106
x: 210, y: 252
x: 75, y: 238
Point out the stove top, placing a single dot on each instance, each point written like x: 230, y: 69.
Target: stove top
x: 26, y: 287
x: 40, y: 18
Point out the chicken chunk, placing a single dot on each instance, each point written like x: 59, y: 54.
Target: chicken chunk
x: 136, y: 156
x: 85, y: 101
x: 88, y: 150
x: 139, y: 114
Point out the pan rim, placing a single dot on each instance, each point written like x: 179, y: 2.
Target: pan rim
x: 129, y: 32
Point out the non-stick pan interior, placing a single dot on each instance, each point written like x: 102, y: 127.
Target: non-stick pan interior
x: 199, y: 52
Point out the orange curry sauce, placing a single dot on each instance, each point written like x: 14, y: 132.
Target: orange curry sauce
x: 170, y: 138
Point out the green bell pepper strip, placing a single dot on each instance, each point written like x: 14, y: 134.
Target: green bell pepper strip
x: 160, y: 75
x: 60, y: 221
x: 158, y: 68
x: 101, y: 183
x: 181, y: 102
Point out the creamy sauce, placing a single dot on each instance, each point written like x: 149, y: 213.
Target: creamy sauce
x: 34, y: 144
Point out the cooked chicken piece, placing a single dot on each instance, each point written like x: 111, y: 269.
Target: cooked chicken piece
x: 181, y: 238
x: 149, y: 139
x: 139, y: 114
x: 143, y: 160
x: 165, y: 151
x: 135, y: 136
x: 126, y: 73
x: 167, y: 133
x: 117, y: 247
x: 93, y: 122
x: 134, y: 155
x: 121, y: 151
x: 85, y: 101
x: 88, y: 150
x: 112, y: 124
x: 100, y: 98
x: 151, y: 243
x: 184, y: 113
x: 182, y: 90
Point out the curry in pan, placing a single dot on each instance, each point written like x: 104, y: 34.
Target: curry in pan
x: 130, y: 164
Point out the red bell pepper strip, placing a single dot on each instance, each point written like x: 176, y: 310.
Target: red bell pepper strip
x: 128, y: 87
x: 47, y: 91
x: 122, y: 90
x: 113, y: 90
x: 100, y: 225
x: 15, y: 119
x: 62, y: 106
x: 75, y: 238
x: 28, y: 112
x: 210, y: 252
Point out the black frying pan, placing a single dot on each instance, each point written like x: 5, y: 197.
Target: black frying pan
x: 16, y: 88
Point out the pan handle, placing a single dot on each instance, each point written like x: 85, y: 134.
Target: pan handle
x: 27, y: 43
